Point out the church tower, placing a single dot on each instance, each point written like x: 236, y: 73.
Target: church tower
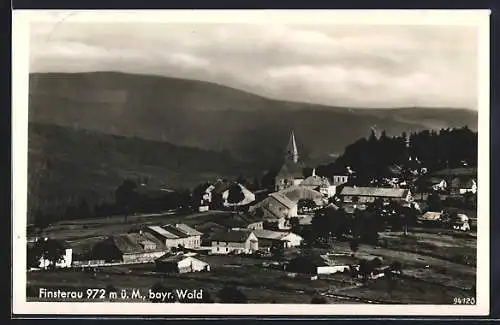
x: 292, y: 154
x: 292, y: 171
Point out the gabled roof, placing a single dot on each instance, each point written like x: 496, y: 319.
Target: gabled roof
x: 232, y: 236
x: 175, y: 231
x: 375, y: 191
x: 430, y: 216
x: 135, y: 243
x: 175, y: 258
x: 297, y: 192
x: 269, y: 234
x: 460, y: 182
x: 187, y: 230
x: 462, y: 171
x: 285, y: 201
x: 162, y: 232
x: 315, y: 181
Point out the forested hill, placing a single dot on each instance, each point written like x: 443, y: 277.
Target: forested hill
x: 373, y: 156
x: 66, y: 165
x: 211, y: 116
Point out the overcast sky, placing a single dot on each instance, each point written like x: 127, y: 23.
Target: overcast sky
x: 357, y: 66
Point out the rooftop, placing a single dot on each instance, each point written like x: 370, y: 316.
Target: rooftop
x: 233, y: 236
x: 375, y: 191
x: 136, y: 243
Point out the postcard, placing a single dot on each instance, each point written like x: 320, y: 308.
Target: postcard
x: 256, y: 162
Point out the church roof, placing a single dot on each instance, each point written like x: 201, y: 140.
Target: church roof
x: 290, y: 168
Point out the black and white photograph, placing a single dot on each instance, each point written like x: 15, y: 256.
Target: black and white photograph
x: 293, y: 162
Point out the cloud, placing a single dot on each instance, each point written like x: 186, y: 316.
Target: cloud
x: 362, y: 66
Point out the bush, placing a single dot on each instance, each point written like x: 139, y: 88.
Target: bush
x: 232, y: 295
x: 317, y: 299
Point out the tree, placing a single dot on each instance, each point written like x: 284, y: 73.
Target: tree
x: 317, y: 299
x: 232, y: 295
x: 354, y: 245
x: 235, y: 195
x: 434, y: 202
x: 365, y: 269
x: 126, y: 196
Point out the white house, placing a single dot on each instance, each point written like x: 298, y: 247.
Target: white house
x: 268, y: 237
x: 181, y: 263
x: 234, y: 241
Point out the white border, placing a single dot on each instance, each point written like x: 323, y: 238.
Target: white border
x: 20, y: 65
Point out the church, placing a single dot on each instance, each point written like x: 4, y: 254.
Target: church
x: 292, y: 171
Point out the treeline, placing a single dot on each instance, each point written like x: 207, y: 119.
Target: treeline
x: 374, y: 156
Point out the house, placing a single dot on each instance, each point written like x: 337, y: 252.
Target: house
x: 176, y: 235
x: 180, y: 263
x: 296, y: 193
x: 270, y: 238
x: 129, y: 248
x: 234, y: 241
x: 276, y: 209
x: 461, y: 185
x: 460, y: 180
x: 461, y: 222
x: 362, y: 195
x: 338, y: 180
x: 315, y: 264
x: 65, y: 260
x: 319, y: 184
x: 292, y: 171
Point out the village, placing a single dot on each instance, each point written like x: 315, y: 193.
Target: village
x: 313, y: 239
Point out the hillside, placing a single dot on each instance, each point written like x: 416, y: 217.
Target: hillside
x: 65, y: 165
x: 209, y: 116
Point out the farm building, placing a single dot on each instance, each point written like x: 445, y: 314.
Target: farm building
x: 277, y: 209
x: 129, y: 248
x: 289, y: 239
x: 176, y: 235
x: 180, y: 263
x: 430, y: 218
x: 319, y: 184
x: 234, y: 241
x: 369, y: 194
x: 315, y: 264
x: 270, y: 238
x: 296, y: 193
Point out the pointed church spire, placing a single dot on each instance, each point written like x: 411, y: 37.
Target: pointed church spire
x: 291, y: 149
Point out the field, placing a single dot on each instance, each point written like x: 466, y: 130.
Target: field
x: 437, y: 267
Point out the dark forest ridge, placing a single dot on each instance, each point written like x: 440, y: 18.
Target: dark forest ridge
x: 205, y: 115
